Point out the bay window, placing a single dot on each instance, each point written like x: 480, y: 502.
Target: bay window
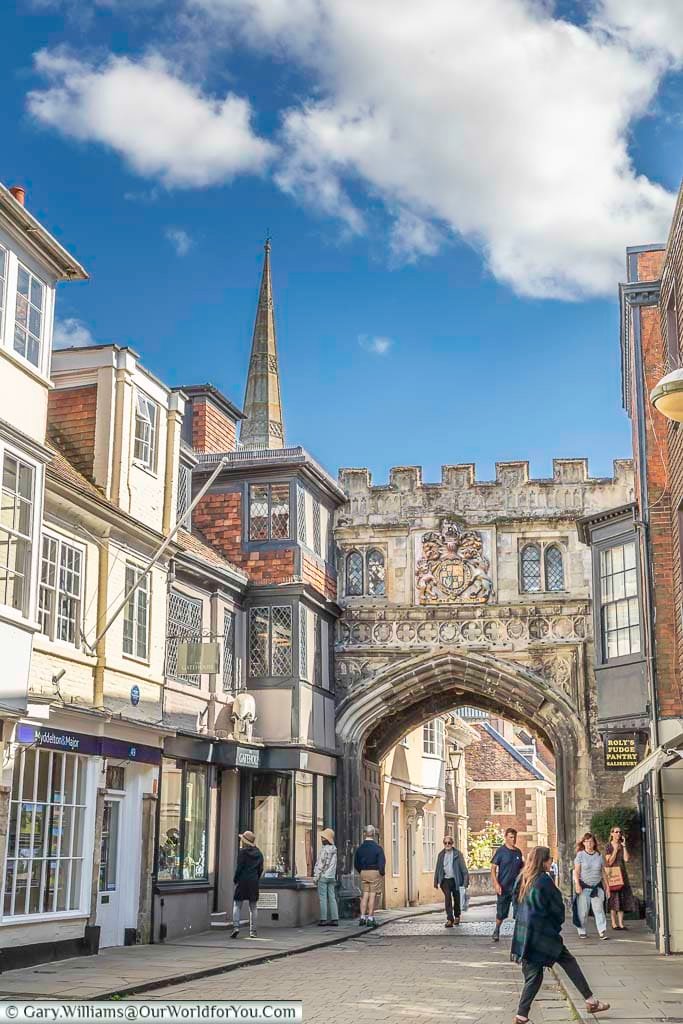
x: 287, y: 812
x: 433, y: 737
x: 269, y: 512
x: 270, y: 641
x: 620, y: 609
x: 183, y: 822
x: 16, y: 531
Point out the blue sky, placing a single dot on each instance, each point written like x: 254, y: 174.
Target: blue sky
x: 445, y: 259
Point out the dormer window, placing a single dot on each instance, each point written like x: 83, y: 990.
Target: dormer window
x: 269, y: 512
x: 146, y: 426
x: 28, y: 324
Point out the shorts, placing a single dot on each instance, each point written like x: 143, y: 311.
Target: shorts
x: 371, y: 881
x: 503, y: 905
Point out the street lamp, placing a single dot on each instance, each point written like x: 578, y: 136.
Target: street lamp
x: 455, y: 758
x: 667, y: 396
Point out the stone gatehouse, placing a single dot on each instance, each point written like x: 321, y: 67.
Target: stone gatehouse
x: 470, y: 592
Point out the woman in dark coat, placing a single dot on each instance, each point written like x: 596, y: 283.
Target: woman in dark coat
x: 537, y: 942
x: 247, y: 874
x: 621, y: 899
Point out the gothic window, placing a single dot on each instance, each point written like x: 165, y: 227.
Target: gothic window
x: 554, y: 568
x: 354, y: 574
x: 268, y: 511
x: 375, y: 562
x: 531, y: 568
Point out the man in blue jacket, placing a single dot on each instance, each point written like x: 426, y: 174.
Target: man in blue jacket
x: 370, y: 864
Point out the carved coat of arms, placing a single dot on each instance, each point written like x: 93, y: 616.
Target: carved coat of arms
x: 453, y: 567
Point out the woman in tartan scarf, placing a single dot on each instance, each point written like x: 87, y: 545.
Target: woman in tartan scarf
x: 537, y: 942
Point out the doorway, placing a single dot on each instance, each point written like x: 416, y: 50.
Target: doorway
x: 118, y: 881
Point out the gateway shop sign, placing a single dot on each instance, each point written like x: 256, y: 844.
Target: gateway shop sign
x: 621, y: 752
x: 247, y: 758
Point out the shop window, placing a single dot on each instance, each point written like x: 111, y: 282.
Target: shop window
x: 269, y: 511
x: 271, y: 817
x: 287, y: 813
x: 228, y: 650
x: 136, y: 615
x: 620, y: 608
x: 184, y: 625
x: 146, y: 428
x: 304, y: 849
x: 46, y: 830
x: 270, y: 641
x: 375, y: 563
x: 183, y: 826
x: 61, y: 588
x: 16, y: 532
x: 503, y: 801
x: 429, y: 841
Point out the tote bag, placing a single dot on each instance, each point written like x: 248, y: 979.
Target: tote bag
x: 464, y: 899
x: 615, y: 878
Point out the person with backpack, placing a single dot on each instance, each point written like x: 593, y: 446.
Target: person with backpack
x: 537, y: 940
x: 325, y: 875
x: 370, y: 863
x: 248, y: 871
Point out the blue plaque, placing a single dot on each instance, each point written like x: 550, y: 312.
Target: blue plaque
x: 135, y: 695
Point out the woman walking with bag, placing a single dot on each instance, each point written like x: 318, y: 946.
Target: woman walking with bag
x: 621, y: 899
x: 537, y: 942
x: 591, y: 885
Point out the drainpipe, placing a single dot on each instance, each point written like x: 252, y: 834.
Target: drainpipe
x: 102, y: 603
x: 644, y: 526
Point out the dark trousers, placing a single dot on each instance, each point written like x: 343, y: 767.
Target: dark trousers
x: 533, y: 979
x: 451, y: 894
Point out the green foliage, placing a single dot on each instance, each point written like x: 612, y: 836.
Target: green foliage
x: 626, y: 818
x: 481, y: 845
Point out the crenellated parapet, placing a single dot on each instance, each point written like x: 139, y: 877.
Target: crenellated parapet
x: 571, y: 491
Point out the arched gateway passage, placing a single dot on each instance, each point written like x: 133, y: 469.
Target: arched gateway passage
x: 372, y: 718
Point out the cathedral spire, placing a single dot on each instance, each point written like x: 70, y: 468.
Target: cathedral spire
x: 263, y: 426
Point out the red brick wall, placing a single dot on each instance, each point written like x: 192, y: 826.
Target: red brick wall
x: 71, y: 416
x: 315, y: 572
x: 650, y: 265
x: 212, y: 430
x: 479, y: 812
x: 219, y: 517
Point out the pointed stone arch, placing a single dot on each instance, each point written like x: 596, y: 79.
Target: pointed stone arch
x: 374, y: 714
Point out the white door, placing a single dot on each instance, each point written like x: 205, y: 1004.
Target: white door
x: 109, y: 906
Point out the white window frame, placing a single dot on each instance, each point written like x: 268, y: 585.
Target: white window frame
x: 429, y: 841
x: 395, y: 840
x: 54, y: 812
x: 3, y: 293
x: 62, y: 544
x: 40, y: 339
x: 507, y: 796
x: 433, y: 734
x: 146, y: 431
x: 133, y: 572
x: 627, y: 602
x: 29, y: 539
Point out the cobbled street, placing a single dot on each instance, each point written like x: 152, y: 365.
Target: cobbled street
x: 411, y: 970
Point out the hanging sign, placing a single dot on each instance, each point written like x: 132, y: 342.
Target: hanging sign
x: 198, y: 659
x: 621, y: 751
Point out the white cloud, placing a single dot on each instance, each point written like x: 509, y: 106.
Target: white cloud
x: 493, y: 121
x: 656, y: 25
x: 378, y: 344
x: 71, y: 333
x: 180, y: 240
x: 164, y: 127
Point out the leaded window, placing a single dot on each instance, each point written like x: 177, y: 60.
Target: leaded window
x: 301, y: 513
x: 184, y: 625
x: 620, y: 609
x: 303, y: 641
x: 376, y: 573
x: 531, y: 568
x: 354, y: 574
x: 554, y: 568
x: 269, y: 512
x: 146, y: 426
x: 317, y: 533
x: 318, y: 651
x: 229, y: 650
x: 28, y: 320
x: 270, y: 641
x: 45, y: 834
x: 136, y: 614
x: 61, y: 590
x: 16, y: 531
x: 184, y: 493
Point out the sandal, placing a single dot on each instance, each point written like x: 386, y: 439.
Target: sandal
x: 597, y: 1007
x: 520, y: 1020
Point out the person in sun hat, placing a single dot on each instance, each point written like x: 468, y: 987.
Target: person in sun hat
x: 325, y: 874
x: 247, y: 874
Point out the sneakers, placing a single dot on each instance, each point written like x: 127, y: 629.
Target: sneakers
x: 448, y: 924
x: 496, y: 936
x: 333, y: 924
x: 323, y: 924
x: 457, y: 921
x: 371, y: 923
x: 235, y: 933
x: 604, y: 936
x: 253, y: 935
x: 362, y: 921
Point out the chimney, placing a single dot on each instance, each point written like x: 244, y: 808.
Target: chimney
x: 19, y: 193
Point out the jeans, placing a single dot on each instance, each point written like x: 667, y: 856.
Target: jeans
x: 328, y: 899
x: 237, y: 913
x: 584, y: 903
x: 533, y: 979
x: 451, y: 895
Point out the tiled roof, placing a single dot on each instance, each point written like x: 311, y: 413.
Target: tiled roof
x: 197, y: 545
x: 493, y: 759
x: 60, y: 467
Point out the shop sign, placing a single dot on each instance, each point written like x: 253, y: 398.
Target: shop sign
x: 247, y: 758
x: 198, y: 659
x: 130, y: 751
x: 56, y: 739
x: 621, y: 751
